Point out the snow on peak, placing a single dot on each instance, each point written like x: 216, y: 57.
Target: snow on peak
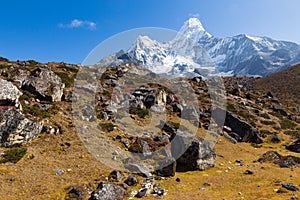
x: 193, y: 24
x: 193, y: 29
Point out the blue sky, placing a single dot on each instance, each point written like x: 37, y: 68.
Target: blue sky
x: 67, y: 30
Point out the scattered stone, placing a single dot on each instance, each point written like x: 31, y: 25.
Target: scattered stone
x: 116, y: 176
x: 282, y: 161
x: 147, y: 187
x: 206, y: 184
x: 131, y: 181
x: 275, y: 139
x: 158, y: 191
x: 108, y: 191
x: 290, y: 186
x: 248, y: 171
x: 202, y: 189
x: 240, y: 162
x: 133, y: 193
x: 74, y: 193
x: 60, y: 172
x: 178, y: 179
x: 142, y: 192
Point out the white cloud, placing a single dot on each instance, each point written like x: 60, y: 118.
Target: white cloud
x: 196, y: 15
x: 76, y: 23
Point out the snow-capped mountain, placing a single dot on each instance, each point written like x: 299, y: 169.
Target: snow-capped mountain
x: 195, y: 51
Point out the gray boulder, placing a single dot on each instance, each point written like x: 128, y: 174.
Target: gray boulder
x: 16, y: 129
x: 246, y: 132
x: 9, y: 94
x: 108, y: 191
x: 295, y: 147
x: 192, y: 152
x: 45, y: 84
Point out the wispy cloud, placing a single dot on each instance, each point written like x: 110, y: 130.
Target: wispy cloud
x: 76, y: 23
x: 196, y: 15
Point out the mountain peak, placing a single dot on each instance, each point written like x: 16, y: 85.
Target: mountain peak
x: 194, y: 23
x: 193, y: 28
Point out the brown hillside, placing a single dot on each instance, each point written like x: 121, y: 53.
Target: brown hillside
x: 285, y: 85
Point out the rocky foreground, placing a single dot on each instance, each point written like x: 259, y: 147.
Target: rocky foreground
x: 228, y: 141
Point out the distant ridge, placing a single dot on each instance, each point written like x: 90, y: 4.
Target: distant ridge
x: 194, y: 51
x: 285, y: 85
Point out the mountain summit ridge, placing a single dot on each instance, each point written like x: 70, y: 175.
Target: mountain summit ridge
x: 194, y: 51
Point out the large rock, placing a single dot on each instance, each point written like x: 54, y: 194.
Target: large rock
x: 192, y: 153
x: 9, y: 94
x: 282, y: 161
x: 45, y: 84
x: 295, y: 147
x: 247, y: 132
x: 16, y: 129
x: 108, y: 191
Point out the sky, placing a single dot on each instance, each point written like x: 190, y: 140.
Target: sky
x: 68, y: 30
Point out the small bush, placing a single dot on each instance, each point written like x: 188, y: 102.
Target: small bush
x: 36, y: 111
x: 33, y: 62
x: 267, y: 122
x: 13, y: 155
x: 287, y: 124
x: 265, y: 132
x: 141, y: 112
x: 265, y: 115
x: 295, y: 134
x: 108, y: 127
x: 65, y: 78
x: 279, y: 116
x: 68, y: 68
x: 178, y: 126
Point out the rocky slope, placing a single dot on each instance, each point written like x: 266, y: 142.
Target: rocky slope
x: 170, y: 142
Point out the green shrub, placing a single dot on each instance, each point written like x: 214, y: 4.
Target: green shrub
x: 267, y: 122
x: 141, y: 112
x: 65, y: 78
x: 36, y: 111
x: 178, y: 126
x: 13, y: 155
x: 265, y: 132
x: 108, y: 127
x: 279, y: 116
x: 33, y: 62
x: 265, y: 115
x: 287, y: 124
x: 295, y: 134
x: 68, y: 68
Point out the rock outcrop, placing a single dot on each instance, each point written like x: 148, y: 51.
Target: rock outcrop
x: 282, y: 161
x: 45, y: 84
x: 9, y: 94
x: 16, y: 129
x: 192, y: 153
x: 246, y: 132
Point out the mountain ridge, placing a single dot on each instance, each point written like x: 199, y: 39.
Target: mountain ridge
x: 194, y: 51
